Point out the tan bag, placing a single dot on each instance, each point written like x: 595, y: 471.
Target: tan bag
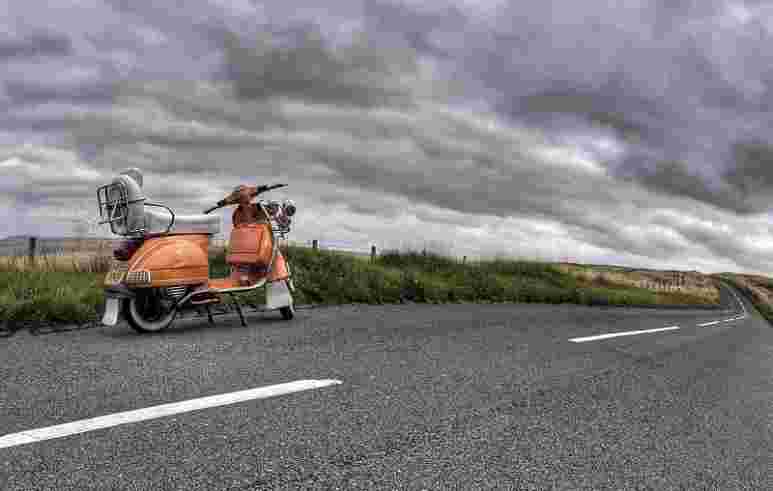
x: 250, y: 244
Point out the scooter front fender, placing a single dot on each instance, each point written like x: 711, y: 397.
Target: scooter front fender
x: 114, y: 296
x: 278, y: 295
x: 112, y: 309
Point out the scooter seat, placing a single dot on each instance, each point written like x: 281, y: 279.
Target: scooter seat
x: 157, y: 221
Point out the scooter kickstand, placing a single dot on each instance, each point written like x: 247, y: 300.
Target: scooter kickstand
x: 209, y: 314
x: 238, y: 309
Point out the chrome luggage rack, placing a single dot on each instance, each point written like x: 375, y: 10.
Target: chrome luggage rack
x: 117, y: 209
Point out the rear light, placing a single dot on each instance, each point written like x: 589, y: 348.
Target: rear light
x: 138, y: 278
x: 126, y: 250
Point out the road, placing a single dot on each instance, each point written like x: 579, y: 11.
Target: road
x: 430, y: 397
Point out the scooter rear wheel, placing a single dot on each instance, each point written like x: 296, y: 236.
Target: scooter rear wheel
x: 287, y: 312
x: 146, y: 312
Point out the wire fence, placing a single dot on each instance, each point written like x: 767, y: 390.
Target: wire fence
x: 48, y: 246
x: 32, y: 247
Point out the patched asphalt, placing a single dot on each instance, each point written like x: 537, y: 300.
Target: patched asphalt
x: 460, y: 396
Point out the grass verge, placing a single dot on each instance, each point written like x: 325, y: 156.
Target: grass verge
x: 69, y: 290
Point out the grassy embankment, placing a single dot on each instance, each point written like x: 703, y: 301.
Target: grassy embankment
x: 69, y: 289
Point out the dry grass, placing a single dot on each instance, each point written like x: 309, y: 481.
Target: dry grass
x: 76, y: 262
x: 759, y: 288
x: 69, y: 287
x: 663, y: 282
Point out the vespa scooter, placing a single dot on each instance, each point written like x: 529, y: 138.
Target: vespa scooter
x: 156, y: 275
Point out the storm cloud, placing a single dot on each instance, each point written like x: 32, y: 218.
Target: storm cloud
x: 35, y: 45
x: 633, y: 133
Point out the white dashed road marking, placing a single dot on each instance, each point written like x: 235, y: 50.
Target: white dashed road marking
x: 84, y: 425
x: 660, y: 329
x: 618, y: 334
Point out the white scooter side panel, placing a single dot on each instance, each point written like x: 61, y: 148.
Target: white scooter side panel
x: 110, y: 318
x: 278, y: 295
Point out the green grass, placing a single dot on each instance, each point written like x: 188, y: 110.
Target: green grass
x: 327, y: 277
x: 70, y: 297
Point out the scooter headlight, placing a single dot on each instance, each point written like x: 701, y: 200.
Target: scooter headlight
x: 289, y: 207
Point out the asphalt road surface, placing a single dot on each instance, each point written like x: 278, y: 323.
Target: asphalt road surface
x: 430, y: 397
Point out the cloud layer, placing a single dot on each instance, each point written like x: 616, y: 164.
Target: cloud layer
x: 633, y: 134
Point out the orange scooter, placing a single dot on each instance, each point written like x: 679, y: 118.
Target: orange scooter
x: 156, y: 274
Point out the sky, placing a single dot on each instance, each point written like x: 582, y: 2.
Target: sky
x: 634, y: 133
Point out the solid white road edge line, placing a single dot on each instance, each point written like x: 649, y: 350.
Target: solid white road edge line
x: 152, y: 412
x: 739, y: 317
x: 618, y: 334
x: 743, y: 307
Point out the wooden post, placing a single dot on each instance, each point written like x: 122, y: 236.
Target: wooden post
x: 372, y: 253
x: 32, y: 249
x: 315, y: 244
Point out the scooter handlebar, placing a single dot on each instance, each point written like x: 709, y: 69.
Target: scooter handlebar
x: 261, y: 189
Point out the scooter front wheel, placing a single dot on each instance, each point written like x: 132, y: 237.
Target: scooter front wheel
x: 146, y: 312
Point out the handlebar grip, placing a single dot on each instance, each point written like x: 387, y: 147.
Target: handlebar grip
x: 263, y: 189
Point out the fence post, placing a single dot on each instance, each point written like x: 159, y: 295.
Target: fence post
x: 464, y: 260
x: 33, y: 242
x: 372, y: 253
x: 314, y: 244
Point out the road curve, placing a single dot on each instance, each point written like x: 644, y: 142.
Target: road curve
x: 430, y: 397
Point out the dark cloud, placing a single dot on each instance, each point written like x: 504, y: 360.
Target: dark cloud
x: 675, y: 178
x: 752, y: 169
x: 666, y: 77
x: 34, y: 46
x: 750, y: 172
x: 634, y: 119
x: 19, y: 124
x: 366, y: 104
x: 309, y: 69
x: 413, y: 26
x: 23, y: 93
